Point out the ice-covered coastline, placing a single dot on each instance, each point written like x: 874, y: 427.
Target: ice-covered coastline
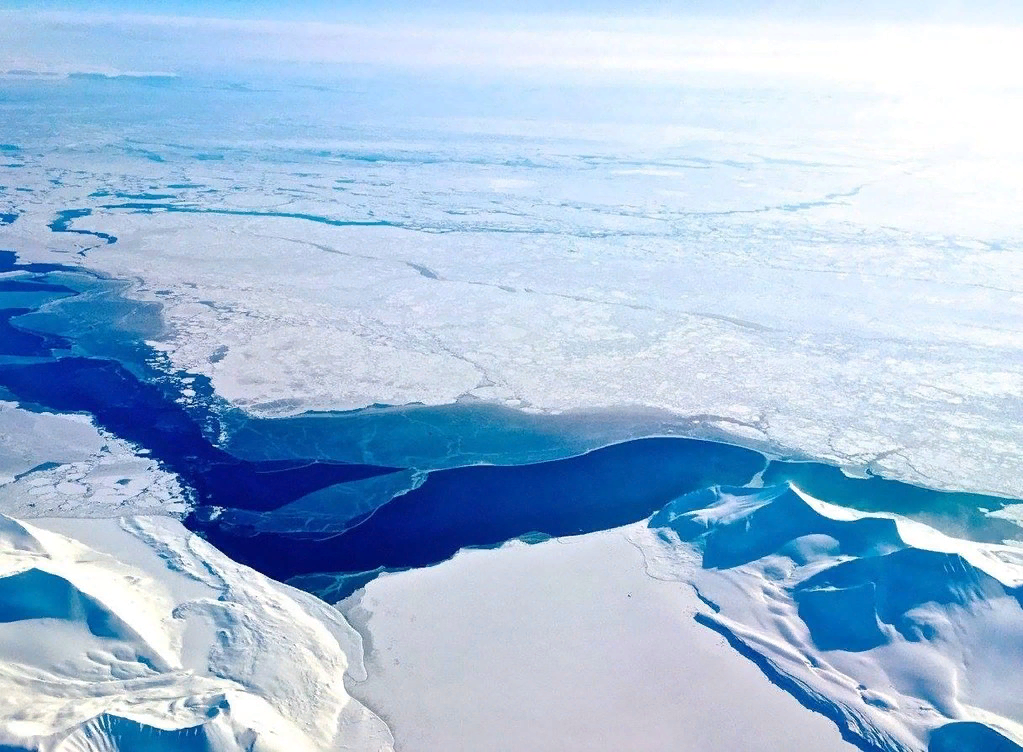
x: 283, y: 508
x: 894, y: 632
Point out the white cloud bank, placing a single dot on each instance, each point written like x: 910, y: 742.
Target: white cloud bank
x: 896, y: 56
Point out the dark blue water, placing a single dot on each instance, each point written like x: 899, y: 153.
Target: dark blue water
x: 141, y: 413
x: 15, y: 341
x: 487, y: 505
x: 86, y: 354
x: 9, y: 262
x: 14, y: 285
x: 15, y: 293
x: 148, y: 414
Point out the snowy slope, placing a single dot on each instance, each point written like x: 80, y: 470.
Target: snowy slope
x: 169, y: 645
x: 907, y: 638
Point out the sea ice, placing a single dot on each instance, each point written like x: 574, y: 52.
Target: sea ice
x: 760, y: 281
x: 60, y: 465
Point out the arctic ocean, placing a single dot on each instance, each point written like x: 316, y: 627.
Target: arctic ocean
x: 536, y: 378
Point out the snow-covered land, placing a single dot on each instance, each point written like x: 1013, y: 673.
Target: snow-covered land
x: 885, y: 624
x: 136, y: 634
x: 567, y: 644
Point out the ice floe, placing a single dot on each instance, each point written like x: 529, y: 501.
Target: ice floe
x: 58, y: 465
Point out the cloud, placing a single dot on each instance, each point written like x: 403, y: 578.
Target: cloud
x: 903, y: 56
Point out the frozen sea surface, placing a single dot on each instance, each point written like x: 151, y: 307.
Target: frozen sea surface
x: 821, y: 279
x: 353, y: 330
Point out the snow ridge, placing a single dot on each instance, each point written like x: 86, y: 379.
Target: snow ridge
x: 168, y: 645
x: 897, y: 632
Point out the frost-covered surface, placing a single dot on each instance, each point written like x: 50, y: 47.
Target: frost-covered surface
x: 835, y: 283
x: 885, y: 625
x: 145, y: 637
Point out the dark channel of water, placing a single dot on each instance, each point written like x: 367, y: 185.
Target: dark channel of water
x: 69, y: 342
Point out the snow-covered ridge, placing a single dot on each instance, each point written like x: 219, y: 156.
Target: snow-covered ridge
x: 904, y: 636
x: 168, y: 645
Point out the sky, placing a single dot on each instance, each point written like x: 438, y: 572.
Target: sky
x: 363, y: 10
x: 945, y: 49
x: 170, y: 38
